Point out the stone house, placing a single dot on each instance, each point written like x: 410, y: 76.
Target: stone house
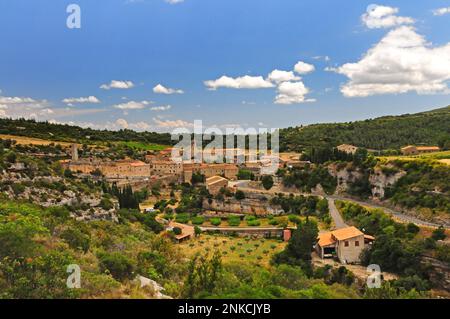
x: 344, y: 243
x: 414, y: 150
x: 215, y: 183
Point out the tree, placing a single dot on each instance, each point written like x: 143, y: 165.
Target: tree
x: 299, y: 248
x: 151, y: 222
x: 197, y: 231
x: 68, y: 173
x: 244, y: 174
x: 177, y: 230
x: 204, y: 274
x: 267, y: 181
x: 439, y: 233
x: 197, y: 178
x: 17, y: 233
x: 239, y: 195
x: 11, y: 157
x: 117, y: 264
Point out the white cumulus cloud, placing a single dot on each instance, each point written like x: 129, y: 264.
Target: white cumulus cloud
x: 401, y: 62
x: 292, y: 93
x: 441, y: 11
x: 378, y: 16
x: 161, y: 108
x: 114, y: 84
x: 303, y: 68
x: 89, y: 99
x: 278, y: 76
x: 132, y: 105
x: 161, y: 89
x: 242, y: 82
x: 171, y: 123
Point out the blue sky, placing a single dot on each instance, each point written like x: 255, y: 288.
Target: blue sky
x: 51, y: 72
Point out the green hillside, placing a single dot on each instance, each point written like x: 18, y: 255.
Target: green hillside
x: 388, y: 132
x: 70, y: 133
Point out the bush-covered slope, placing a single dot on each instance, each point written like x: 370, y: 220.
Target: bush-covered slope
x: 388, y: 132
x: 70, y: 133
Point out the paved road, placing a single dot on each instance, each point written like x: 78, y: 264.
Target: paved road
x: 336, y: 215
x: 404, y: 218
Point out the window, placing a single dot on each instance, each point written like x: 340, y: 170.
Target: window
x: 346, y: 244
x: 356, y: 243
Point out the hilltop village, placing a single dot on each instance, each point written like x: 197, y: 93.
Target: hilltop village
x: 328, y: 212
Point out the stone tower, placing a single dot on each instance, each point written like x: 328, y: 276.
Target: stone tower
x: 74, y: 152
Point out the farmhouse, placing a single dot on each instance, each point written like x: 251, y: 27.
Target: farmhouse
x: 187, y: 232
x: 347, y: 148
x: 344, y: 243
x: 414, y: 150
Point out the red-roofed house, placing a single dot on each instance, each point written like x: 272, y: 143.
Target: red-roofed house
x: 345, y: 243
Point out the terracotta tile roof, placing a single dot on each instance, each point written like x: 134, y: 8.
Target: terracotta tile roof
x: 331, y: 237
x: 346, y: 233
x: 325, y: 239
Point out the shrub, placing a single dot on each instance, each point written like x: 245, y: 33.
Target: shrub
x: 182, y: 218
x: 118, y: 265
x: 234, y: 221
x: 177, y: 230
x: 215, y: 221
x: 253, y: 222
x: 198, y: 220
x: 76, y: 239
x: 294, y: 219
x: 439, y: 233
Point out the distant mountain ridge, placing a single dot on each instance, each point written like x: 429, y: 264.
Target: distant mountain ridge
x: 387, y: 132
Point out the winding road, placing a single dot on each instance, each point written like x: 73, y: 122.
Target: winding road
x: 336, y: 215
x: 334, y: 212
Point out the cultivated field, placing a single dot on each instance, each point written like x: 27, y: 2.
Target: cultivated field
x: 23, y: 140
x: 235, y: 249
x: 443, y: 157
x: 145, y: 146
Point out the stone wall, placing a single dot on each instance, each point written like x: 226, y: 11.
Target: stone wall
x: 253, y: 204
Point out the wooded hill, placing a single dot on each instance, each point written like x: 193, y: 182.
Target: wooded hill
x: 388, y: 132
x: 70, y: 133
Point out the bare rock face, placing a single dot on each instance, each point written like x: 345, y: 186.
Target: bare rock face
x: 382, y: 178
x: 344, y: 174
x: 439, y: 272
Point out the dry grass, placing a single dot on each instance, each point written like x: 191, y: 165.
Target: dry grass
x: 23, y: 140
